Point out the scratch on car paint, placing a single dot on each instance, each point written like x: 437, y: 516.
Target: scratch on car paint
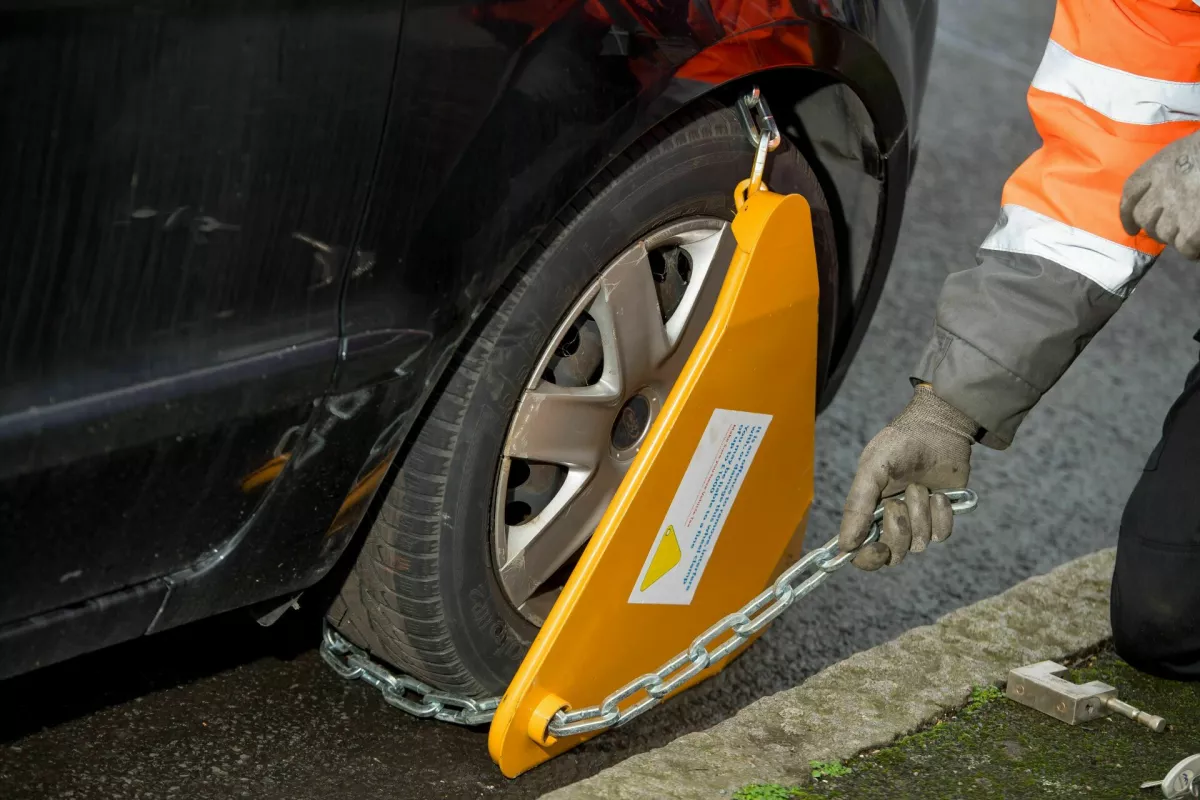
x: 207, y: 224
x: 325, y: 257
x: 173, y: 218
x: 199, y: 224
x: 316, y: 244
x: 364, y: 262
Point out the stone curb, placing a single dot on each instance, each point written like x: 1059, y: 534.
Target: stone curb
x: 872, y: 698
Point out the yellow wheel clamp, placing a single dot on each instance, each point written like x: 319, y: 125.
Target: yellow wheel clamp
x: 712, y: 510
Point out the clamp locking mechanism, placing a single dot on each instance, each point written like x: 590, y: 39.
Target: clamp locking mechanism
x: 1042, y: 686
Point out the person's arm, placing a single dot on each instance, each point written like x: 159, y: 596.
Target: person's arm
x: 1111, y: 91
x: 1120, y: 80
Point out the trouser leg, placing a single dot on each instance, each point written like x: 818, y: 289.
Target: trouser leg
x: 1155, y: 605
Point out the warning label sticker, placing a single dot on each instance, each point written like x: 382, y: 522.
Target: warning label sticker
x: 689, y: 532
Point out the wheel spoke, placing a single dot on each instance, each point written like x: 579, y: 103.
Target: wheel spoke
x: 631, y: 328
x: 563, y: 426
x: 710, y: 259
x: 537, y: 548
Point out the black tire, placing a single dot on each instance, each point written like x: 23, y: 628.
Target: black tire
x: 423, y: 594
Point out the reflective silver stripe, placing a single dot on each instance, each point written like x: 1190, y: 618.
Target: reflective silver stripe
x: 1120, y: 96
x: 1114, y: 266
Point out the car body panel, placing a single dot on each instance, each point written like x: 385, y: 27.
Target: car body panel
x: 403, y: 172
x: 167, y: 313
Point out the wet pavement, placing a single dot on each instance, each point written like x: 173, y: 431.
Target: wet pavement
x: 223, y: 709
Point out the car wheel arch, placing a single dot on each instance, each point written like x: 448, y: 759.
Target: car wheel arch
x: 874, y: 162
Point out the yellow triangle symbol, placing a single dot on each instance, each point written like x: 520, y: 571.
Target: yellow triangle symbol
x: 665, y: 558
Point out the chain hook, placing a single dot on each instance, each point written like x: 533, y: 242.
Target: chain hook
x: 764, y: 137
x: 749, y: 103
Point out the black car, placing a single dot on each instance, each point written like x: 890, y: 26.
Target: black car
x: 266, y: 260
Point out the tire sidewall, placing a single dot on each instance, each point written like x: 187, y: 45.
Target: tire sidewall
x: 683, y: 176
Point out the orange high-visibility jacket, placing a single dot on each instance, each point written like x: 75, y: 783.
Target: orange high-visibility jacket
x: 1120, y: 80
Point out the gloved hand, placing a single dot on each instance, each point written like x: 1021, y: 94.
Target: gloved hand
x: 1162, y: 197
x: 927, y: 447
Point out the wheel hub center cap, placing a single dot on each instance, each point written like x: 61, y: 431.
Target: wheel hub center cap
x: 632, y: 422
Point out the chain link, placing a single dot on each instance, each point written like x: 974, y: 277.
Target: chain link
x: 403, y: 691
x: 422, y: 700
x: 764, y: 138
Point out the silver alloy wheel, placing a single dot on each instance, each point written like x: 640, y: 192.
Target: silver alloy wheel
x: 593, y: 395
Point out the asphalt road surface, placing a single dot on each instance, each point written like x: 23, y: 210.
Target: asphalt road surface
x: 220, y: 710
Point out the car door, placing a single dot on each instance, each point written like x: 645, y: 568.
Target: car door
x: 179, y: 187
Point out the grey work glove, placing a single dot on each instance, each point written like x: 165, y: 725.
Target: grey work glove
x: 927, y: 447
x: 1162, y: 197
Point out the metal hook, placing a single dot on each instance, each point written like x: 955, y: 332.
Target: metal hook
x: 765, y: 137
x: 754, y: 183
x: 747, y: 104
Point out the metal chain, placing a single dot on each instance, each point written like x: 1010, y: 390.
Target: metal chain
x: 403, y: 691
x: 420, y: 699
x: 740, y: 626
x: 764, y: 139
x: 755, y: 103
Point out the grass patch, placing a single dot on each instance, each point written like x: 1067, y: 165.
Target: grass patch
x: 981, y: 696
x: 828, y: 769
x: 993, y: 747
x: 770, y: 791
